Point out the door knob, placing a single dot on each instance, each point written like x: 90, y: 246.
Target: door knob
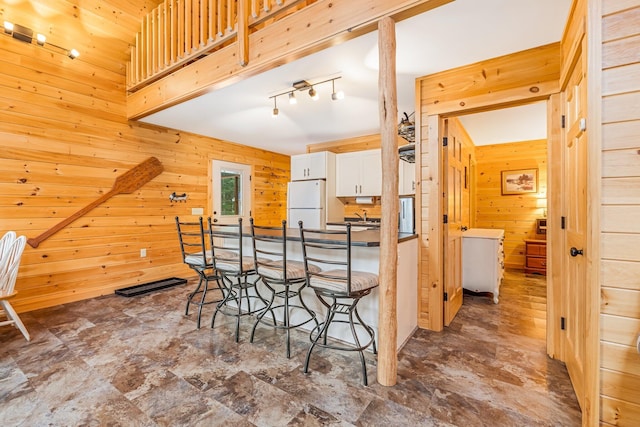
x: 464, y: 228
x: 575, y: 252
x: 216, y: 220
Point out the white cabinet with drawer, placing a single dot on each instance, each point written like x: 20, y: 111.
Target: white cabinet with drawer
x: 359, y: 173
x: 483, y: 260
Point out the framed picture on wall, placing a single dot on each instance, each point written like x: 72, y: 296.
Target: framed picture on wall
x: 520, y: 181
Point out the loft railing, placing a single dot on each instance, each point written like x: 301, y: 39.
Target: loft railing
x: 178, y: 32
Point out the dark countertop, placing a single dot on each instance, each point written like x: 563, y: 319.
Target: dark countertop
x: 357, y: 223
x: 366, y: 238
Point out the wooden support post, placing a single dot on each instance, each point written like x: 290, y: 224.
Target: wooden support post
x: 388, y: 104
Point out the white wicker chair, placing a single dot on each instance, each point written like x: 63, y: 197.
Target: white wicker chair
x: 10, y: 255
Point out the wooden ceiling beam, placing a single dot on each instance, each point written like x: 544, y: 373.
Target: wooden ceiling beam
x: 313, y: 28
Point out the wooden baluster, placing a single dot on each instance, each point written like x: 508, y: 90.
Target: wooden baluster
x: 160, y: 36
x: 221, y: 4
x: 180, y: 29
x: 254, y: 8
x: 203, y: 22
x: 195, y: 25
x: 172, y: 24
x: 243, y: 32
x: 188, y: 26
x: 230, y: 4
x: 212, y: 20
x: 166, y: 33
x: 153, y: 43
x: 131, y: 67
x: 137, y: 49
x: 266, y: 5
x: 146, y: 49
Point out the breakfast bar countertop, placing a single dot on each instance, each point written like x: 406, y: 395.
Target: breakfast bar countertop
x: 367, y: 238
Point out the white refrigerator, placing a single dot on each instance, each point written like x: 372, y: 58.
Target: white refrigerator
x: 306, y: 202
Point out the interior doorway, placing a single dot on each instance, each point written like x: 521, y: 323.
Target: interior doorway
x: 474, y: 184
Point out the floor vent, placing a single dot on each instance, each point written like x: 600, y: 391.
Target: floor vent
x: 145, y: 288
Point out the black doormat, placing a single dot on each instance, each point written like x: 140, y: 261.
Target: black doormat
x: 145, y: 288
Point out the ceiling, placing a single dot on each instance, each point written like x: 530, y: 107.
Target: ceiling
x: 456, y: 34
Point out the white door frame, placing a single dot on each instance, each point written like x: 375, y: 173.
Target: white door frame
x: 246, y: 195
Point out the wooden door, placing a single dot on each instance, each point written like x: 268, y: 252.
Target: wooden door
x: 576, y: 295
x: 453, y: 170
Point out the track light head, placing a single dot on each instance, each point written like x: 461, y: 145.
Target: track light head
x: 73, y: 54
x: 313, y: 94
x: 336, y: 96
x: 292, y: 98
x: 40, y: 39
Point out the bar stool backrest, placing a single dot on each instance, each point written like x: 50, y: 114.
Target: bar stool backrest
x: 226, y: 247
x: 329, y: 247
x: 193, y: 244
x: 269, y: 243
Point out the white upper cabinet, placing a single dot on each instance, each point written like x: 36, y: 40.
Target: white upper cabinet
x: 309, y: 166
x: 359, y: 174
x: 407, y: 178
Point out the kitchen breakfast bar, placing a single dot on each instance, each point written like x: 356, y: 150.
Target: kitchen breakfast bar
x: 365, y: 256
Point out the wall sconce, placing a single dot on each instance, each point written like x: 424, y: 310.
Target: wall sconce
x: 25, y: 34
x: 304, y: 85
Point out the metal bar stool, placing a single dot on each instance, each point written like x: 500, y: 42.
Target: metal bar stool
x: 284, y: 278
x: 196, y: 255
x: 234, y: 269
x: 339, y: 289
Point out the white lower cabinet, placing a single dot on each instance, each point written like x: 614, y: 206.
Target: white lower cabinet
x: 359, y: 174
x: 483, y: 260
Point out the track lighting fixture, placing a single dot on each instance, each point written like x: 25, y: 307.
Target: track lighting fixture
x: 275, y: 112
x: 25, y: 34
x: 304, y: 85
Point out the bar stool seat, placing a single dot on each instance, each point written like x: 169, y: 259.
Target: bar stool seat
x: 276, y: 269
x: 285, y: 280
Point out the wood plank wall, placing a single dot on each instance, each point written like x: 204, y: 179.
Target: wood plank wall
x: 64, y: 138
x: 620, y: 233
x: 516, y: 214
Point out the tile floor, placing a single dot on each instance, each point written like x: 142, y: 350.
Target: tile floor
x: 139, y: 362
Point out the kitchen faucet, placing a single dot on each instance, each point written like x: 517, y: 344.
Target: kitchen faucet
x: 364, y: 218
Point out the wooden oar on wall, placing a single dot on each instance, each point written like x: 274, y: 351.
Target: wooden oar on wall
x: 126, y: 183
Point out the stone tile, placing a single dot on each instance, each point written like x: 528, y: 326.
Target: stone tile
x: 141, y: 361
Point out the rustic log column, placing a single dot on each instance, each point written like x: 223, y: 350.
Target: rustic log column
x: 388, y: 104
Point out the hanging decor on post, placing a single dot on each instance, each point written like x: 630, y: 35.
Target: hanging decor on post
x: 310, y: 88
